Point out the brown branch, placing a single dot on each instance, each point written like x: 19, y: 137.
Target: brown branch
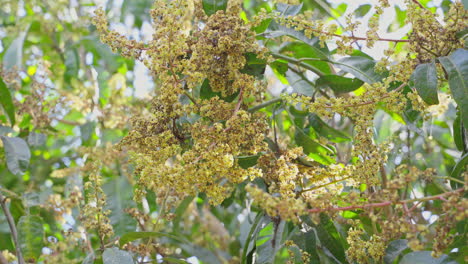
x: 386, y: 203
x: 13, y: 230
x: 419, y: 4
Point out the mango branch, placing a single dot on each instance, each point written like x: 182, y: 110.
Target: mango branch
x: 13, y: 230
x: 388, y: 203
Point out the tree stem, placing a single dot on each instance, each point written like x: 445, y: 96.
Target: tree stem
x: 13, y: 230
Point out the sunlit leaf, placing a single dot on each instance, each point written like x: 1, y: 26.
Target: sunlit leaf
x: 394, y: 249
x: 30, y: 236
x: 6, y: 102
x: 456, y: 66
x: 14, y: 53
x: 211, y: 6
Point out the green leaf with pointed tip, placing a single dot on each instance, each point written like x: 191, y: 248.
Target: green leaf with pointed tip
x: 361, y: 67
x: 116, y: 256
x: 362, y: 10
x: 72, y: 64
x: 30, y: 236
x: 14, y: 54
x: 460, y: 166
x: 212, y: 6
x: 339, y: 84
x: 324, y: 130
x: 247, y: 161
x: 424, y: 79
x: 17, y: 154
x: 6, y: 102
x: 313, y: 149
x: 309, y: 53
x: 458, y: 133
x: 288, y: 10
x: 424, y: 257
x: 394, y: 249
x: 456, y: 66
x: 119, y: 198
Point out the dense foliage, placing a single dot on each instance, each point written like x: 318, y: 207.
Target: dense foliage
x: 266, y: 135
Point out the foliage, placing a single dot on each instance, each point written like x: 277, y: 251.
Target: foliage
x: 267, y: 134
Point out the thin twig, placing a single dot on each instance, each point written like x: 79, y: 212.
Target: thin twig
x: 419, y: 4
x: 387, y: 203
x: 13, y: 230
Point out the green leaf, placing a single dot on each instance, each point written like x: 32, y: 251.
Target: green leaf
x: 362, y: 10
x: 14, y: 54
x: 339, y: 84
x: 211, y: 6
x: 17, y: 154
x: 116, y: 256
x: 246, y: 162
x: 6, y: 102
x: 300, y: 83
x: 119, y: 198
x: 361, y: 67
x: 307, y: 241
x: 424, y: 79
x: 460, y: 166
x: 310, y: 53
x: 267, y: 251
x: 424, y: 257
x: 394, y: 249
x: 458, y: 133
x: 456, y: 66
x: 248, y: 240
x: 254, y: 66
x: 330, y: 238
x: 131, y: 236
x: 327, y: 131
x: 288, y: 10
x: 206, y: 92
x: 72, y: 64
x: 180, y: 212
x: 30, y: 236
x: 315, y: 150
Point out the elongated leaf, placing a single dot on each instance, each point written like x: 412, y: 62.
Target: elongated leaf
x: 211, y: 6
x: 299, y: 83
x: 312, y: 148
x: 362, y: 10
x: 458, y: 133
x: 456, y: 66
x: 330, y: 238
x: 308, y: 242
x: 267, y: 251
x: 394, y: 249
x: 288, y: 10
x: 30, y: 236
x: 119, y: 197
x: 460, y: 167
x: 339, y: 84
x: 72, y: 63
x: 327, y: 131
x: 17, y: 154
x: 310, y: 54
x: 247, y: 161
x: 253, y: 230
x: 6, y: 102
x: 14, y: 54
x: 361, y: 67
x: 424, y: 257
x: 131, y: 236
x: 116, y: 256
x: 424, y: 79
